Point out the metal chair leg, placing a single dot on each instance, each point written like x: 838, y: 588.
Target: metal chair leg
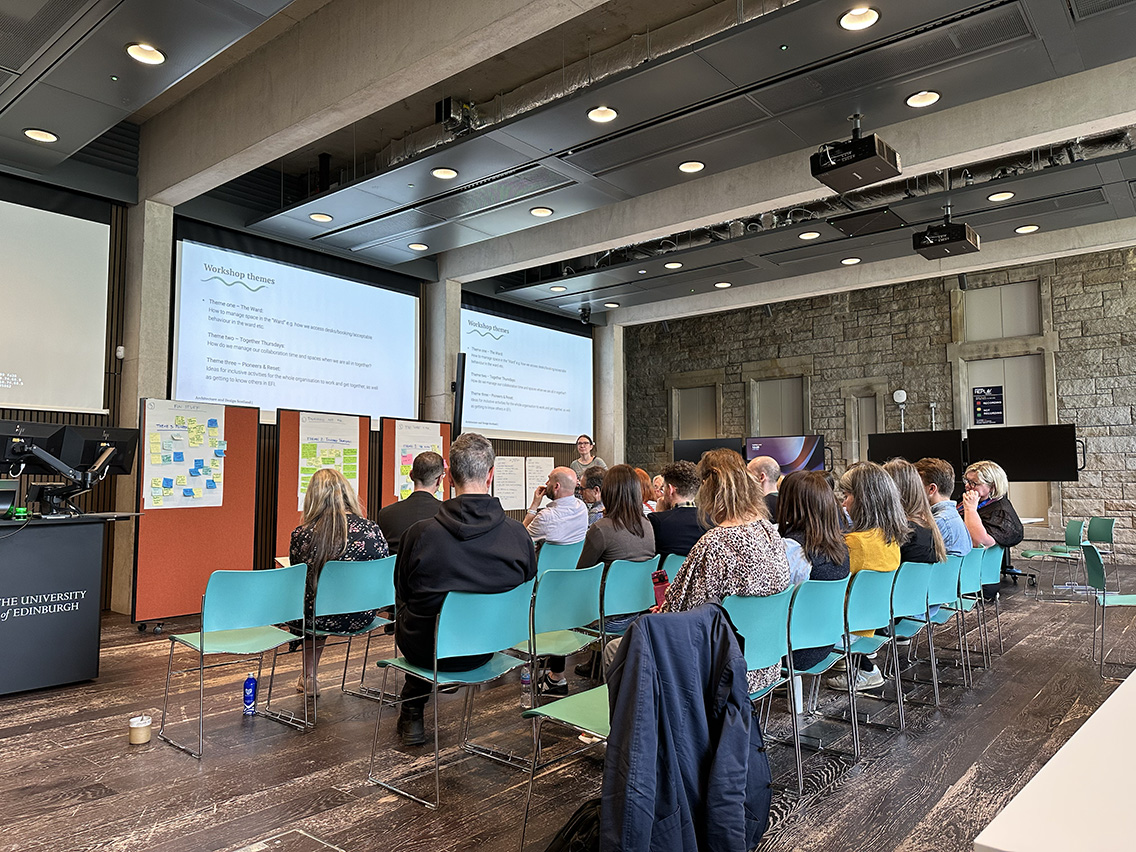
x: 537, y: 724
x: 934, y: 661
x: 898, y: 683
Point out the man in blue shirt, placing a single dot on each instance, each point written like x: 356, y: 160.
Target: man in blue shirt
x: 939, y: 479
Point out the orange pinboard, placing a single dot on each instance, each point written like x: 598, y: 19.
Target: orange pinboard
x: 391, y: 462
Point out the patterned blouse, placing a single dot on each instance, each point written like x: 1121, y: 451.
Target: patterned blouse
x: 743, y: 560
x: 364, y: 542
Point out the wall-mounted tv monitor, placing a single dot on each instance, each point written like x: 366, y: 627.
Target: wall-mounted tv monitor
x: 943, y: 444
x: 691, y: 449
x: 797, y: 452
x: 1028, y: 453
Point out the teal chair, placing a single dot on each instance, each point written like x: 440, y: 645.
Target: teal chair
x: 943, y: 596
x: 672, y: 562
x: 355, y: 587
x: 816, y: 620
x: 970, y: 597
x: 909, y: 603
x: 992, y: 575
x: 238, y: 612
x: 1099, y: 534
x: 1068, y: 553
x: 586, y: 713
x: 626, y: 588
x: 1102, y: 600
x: 556, y: 557
x: 468, y: 624
x: 867, y: 610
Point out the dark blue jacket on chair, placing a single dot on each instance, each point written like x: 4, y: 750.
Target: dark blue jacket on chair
x: 685, y: 767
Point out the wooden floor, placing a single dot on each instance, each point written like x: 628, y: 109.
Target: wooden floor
x: 68, y: 777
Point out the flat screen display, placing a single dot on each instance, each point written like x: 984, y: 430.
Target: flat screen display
x: 525, y: 381
x: 1028, y: 453
x: 257, y: 332
x: 943, y: 444
x: 798, y: 452
x: 691, y: 449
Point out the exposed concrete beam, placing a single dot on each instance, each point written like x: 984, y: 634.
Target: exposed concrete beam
x: 347, y: 60
x: 1079, y: 105
x: 1034, y: 248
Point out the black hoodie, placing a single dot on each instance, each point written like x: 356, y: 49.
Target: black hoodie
x: 469, y: 546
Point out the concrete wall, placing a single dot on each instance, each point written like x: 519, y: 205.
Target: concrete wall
x: 908, y: 336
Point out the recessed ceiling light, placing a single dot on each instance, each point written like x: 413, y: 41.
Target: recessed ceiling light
x: 37, y: 134
x: 322, y: 218
x: 691, y: 166
x: 541, y: 211
x: 558, y: 288
x: 642, y: 271
x: 859, y: 18
x: 147, y: 54
x: 722, y: 285
x: 611, y: 304
x: 674, y: 264
x: 850, y: 261
x: 417, y: 246
x: 444, y: 174
x: 1005, y: 195
x: 1026, y: 229
x: 602, y: 114
x: 808, y: 235
x: 923, y: 99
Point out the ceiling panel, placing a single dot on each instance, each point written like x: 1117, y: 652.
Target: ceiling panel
x: 29, y: 24
x: 386, y: 255
x: 504, y: 190
x: 639, y: 96
x: 444, y: 237
x: 380, y: 230
x: 564, y: 202
x: 85, y: 119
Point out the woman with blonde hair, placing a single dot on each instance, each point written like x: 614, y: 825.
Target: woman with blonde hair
x: 926, y: 541
x: 989, y: 516
x: 740, y: 555
x: 334, y: 527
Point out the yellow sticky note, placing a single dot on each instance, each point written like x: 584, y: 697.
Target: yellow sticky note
x: 156, y: 482
x: 404, y: 470
x: 167, y: 491
x: 181, y: 480
x: 213, y: 432
x: 154, y: 436
x: 217, y: 476
x: 157, y: 501
x: 212, y: 443
x: 192, y: 421
x: 179, y: 421
x: 196, y: 492
x: 214, y: 463
x: 156, y: 458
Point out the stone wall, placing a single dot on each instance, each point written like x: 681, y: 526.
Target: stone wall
x: 899, y: 336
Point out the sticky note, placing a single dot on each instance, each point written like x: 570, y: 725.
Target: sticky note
x: 219, y: 453
x: 182, y: 479
x: 156, y: 492
x: 212, y: 431
x: 214, y: 463
x: 167, y: 445
x: 222, y: 445
x: 155, y: 459
x: 350, y: 451
x: 212, y: 443
x: 168, y: 482
x: 192, y: 421
x: 167, y: 458
x: 209, y: 483
x: 195, y: 471
x: 404, y: 470
x: 197, y: 492
x: 187, y: 492
x: 212, y: 421
x: 217, y: 476
x: 179, y: 457
x: 157, y: 500
x: 179, y: 421
x: 351, y: 471
x: 156, y: 482
x: 167, y: 491
x: 178, y: 436
x: 154, y: 436
x: 199, y: 462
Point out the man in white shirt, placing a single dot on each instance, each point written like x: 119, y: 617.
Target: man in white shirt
x: 565, y: 519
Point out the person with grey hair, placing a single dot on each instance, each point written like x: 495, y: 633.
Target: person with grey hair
x: 426, y: 473
x: 590, y: 485
x: 470, y: 545
x: 767, y: 471
x: 565, y: 519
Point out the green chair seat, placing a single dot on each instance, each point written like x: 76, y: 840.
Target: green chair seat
x: 868, y: 644
x: 375, y: 624
x: 247, y: 640
x: 498, y: 665
x: 821, y: 667
x: 586, y: 712
x: 1116, y: 600
x: 558, y: 643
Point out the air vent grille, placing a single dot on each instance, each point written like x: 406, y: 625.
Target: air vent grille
x: 1087, y: 8
x: 26, y: 27
x: 950, y: 43
x: 116, y: 150
x: 495, y: 193
x: 378, y: 230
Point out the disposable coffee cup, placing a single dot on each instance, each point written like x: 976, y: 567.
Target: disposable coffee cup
x: 140, y: 730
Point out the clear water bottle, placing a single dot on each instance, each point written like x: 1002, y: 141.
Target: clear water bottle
x: 526, y: 688
x: 250, y: 695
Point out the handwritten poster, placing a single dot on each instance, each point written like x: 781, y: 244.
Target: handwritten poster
x: 537, y: 469
x: 509, y: 483
x: 328, y: 440
x: 410, y: 439
x: 183, y: 454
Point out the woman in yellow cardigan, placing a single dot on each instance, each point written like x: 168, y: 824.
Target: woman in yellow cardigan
x: 879, y: 527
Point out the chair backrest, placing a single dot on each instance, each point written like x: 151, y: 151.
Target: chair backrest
x: 1094, y: 567
x: 355, y: 586
x: 1074, y: 533
x: 869, y: 600
x: 235, y: 600
x: 554, y: 557
x: 567, y: 598
x: 672, y: 562
x: 970, y: 577
x: 945, y: 577
x: 482, y: 623
x: 1100, y: 530
x: 764, y: 624
x: 992, y: 564
x: 909, y: 594
x: 627, y: 587
x: 816, y: 618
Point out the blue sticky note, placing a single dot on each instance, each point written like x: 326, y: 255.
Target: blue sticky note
x: 196, y: 471
x: 168, y: 482
x: 209, y: 483
x: 198, y: 463
x: 219, y: 453
x: 178, y: 457
x: 187, y: 492
x: 212, y: 421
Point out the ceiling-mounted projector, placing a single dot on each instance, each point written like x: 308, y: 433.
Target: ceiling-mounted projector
x: 860, y: 161
x: 946, y: 239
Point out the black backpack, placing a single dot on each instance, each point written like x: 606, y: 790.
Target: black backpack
x: 582, y: 831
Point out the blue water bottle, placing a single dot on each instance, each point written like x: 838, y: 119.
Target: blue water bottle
x: 250, y: 695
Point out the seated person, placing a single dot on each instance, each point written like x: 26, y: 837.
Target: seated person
x: 469, y: 546
x: 426, y: 473
x: 565, y: 519
x: 590, y: 487
x: 334, y: 527
x: 925, y: 542
x: 988, y: 514
x: 677, y: 527
x: 767, y: 471
x: 810, y: 523
x: 939, y: 481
